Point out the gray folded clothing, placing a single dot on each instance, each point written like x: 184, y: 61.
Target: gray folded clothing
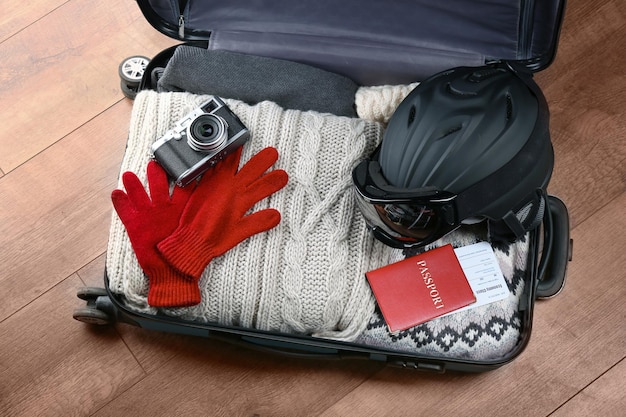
x: 253, y: 79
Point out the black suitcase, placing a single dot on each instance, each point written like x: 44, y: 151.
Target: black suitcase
x: 372, y: 43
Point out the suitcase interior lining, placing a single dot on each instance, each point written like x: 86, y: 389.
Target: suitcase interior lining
x: 373, y: 36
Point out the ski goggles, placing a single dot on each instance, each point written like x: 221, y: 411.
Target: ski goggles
x: 403, y: 218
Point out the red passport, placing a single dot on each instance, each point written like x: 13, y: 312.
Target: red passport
x: 420, y: 288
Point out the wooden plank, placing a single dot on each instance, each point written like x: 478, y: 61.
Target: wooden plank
x: 53, y: 365
x: 209, y: 378
x: 585, y: 90
x: 604, y: 397
x: 92, y: 274
x: 16, y: 15
x: 577, y: 336
x: 56, y: 208
x: 587, y: 26
x: 62, y: 72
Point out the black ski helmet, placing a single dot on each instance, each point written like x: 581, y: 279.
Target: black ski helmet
x: 476, y: 138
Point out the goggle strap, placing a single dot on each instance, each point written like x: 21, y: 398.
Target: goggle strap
x: 513, y: 227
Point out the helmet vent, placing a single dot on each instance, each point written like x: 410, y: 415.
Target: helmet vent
x: 509, y: 107
x: 450, y: 131
x: 411, y: 119
x: 454, y: 90
x: 483, y: 74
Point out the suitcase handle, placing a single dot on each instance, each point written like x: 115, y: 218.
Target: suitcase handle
x: 558, y: 248
x: 315, y: 352
x: 291, y: 349
x: 301, y: 350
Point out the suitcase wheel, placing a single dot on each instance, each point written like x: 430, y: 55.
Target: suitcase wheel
x: 90, y: 293
x: 131, y: 71
x: 129, y: 91
x: 97, y: 302
x: 92, y: 315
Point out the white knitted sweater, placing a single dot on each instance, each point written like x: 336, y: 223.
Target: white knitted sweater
x: 307, y: 274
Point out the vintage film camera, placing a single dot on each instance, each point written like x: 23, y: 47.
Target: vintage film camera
x: 199, y: 140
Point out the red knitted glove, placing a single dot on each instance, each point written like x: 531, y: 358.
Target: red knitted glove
x: 148, y: 220
x: 215, y: 219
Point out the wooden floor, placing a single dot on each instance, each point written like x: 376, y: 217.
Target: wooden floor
x: 63, y: 125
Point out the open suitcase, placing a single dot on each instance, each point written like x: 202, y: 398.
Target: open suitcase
x: 373, y: 44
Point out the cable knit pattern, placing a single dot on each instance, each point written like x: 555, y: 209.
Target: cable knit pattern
x: 378, y: 103
x: 304, y: 276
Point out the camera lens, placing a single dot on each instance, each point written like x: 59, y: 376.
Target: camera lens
x: 205, y: 130
x: 207, y: 133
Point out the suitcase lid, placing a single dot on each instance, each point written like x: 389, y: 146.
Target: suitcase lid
x: 375, y: 42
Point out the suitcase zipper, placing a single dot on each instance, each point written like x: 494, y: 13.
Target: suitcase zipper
x: 181, y: 26
x: 182, y: 5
